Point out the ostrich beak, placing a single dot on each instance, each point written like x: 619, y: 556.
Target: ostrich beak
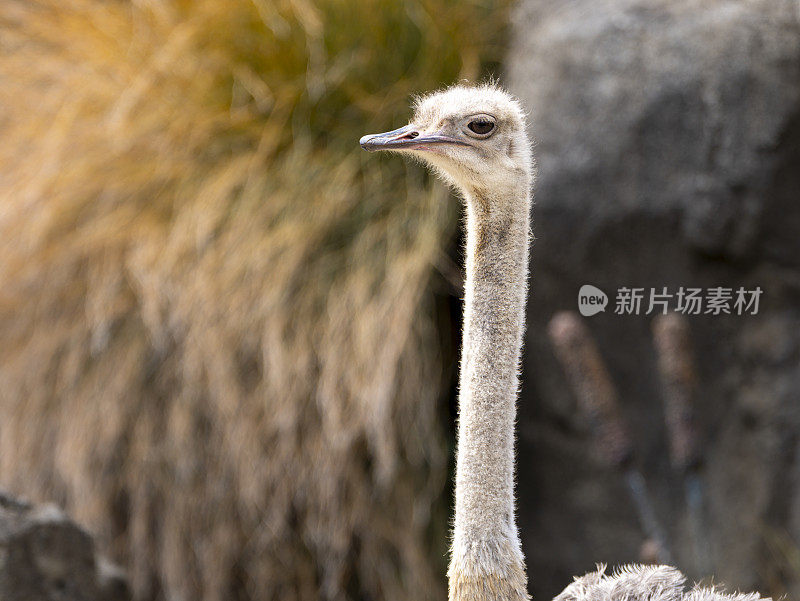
x: 407, y: 137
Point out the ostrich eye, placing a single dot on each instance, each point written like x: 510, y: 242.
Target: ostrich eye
x: 481, y: 126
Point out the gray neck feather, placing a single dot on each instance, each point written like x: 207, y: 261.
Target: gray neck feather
x: 485, y: 539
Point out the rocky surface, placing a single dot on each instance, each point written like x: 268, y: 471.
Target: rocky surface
x: 668, y: 141
x: 46, y: 557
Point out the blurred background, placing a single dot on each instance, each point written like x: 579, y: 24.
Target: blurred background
x: 229, y: 338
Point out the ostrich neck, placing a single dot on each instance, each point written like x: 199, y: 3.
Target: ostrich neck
x: 494, y: 320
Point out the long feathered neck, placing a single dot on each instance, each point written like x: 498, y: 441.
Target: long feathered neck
x: 486, y: 558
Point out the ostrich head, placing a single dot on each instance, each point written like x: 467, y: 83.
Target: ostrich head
x: 474, y: 137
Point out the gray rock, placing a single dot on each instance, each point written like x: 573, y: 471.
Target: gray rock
x: 689, y: 108
x: 46, y: 557
x: 668, y: 141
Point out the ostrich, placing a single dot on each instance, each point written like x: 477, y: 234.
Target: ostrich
x: 475, y: 139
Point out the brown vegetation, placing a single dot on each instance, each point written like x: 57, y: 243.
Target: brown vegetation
x: 216, y: 346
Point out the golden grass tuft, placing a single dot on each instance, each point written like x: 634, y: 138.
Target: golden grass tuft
x: 216, y: 346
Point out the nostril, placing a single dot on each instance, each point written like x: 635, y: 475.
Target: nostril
x: 411, y: 135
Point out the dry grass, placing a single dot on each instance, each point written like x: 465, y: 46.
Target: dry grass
x: 216, y: 346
